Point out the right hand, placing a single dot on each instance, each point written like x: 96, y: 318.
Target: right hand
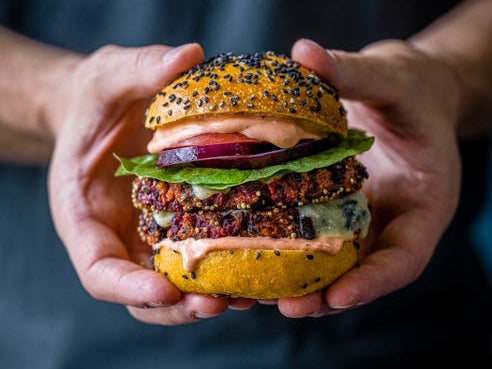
x: 97, y: 111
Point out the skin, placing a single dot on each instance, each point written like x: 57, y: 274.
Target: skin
x: 85, y: 108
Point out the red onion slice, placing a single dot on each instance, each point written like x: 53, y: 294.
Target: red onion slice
x: 246, y: 155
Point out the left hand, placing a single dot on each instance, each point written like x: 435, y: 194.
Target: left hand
x: 410, y: 102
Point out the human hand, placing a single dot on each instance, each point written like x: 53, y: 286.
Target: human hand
x: 410, y: 102
x: 96, y: 112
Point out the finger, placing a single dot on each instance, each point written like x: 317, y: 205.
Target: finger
x: 299, y: 307
x: 356, y: 75
x: 401, y: 257
x: 241, y: 303
x: 192, y: 308
x: 125, y: 74
x: 102, y: 263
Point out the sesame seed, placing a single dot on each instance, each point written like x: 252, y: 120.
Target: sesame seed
x: 194, y: 93
x: 151, y: 119
x: 158, y: 119
x: 258, y: 254
x: 178, y: 100
x: 309, y: 256
x: 193, y: 275
x: 172, y: 97
x: 170, y: 112
x: 276, y: 252
x: 185, y: 276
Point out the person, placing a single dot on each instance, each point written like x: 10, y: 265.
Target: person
x: 73, y: 111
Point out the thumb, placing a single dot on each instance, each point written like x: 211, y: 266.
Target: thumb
x: 126, y: 74
x: 357, y: 76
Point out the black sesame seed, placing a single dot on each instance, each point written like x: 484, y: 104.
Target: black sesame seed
x: 206, y: 90
x: 226, y: 93
x: 158, y: 119
x: 292, y: 110
x: 222, y: 103
x: 165, y: 104
x: 284, y: 91
x: 304, y: 285
x: 317, y: 279
x: 231, y: 252
x: 172, y: 97
x: 206, y: 99
x: 165, y: 274
x: 309, y: 256
x: 199, y: 102
x: 274, y: 97
x: 151, y: 119
x: 185, y: 276
x: 303, y: 102
x: 193, y: 275
x: 178, y: 100
x: 265, y: 93
x: 170, y: 112
x: 194, y: 93
x: 276, y: 252
x: 258, y: 254
x: 186, y: 107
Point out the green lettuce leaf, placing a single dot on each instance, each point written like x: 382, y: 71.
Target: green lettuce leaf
x: 355, y: 143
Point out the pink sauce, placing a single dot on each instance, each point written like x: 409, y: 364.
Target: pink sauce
x: 192, y: 251
x: 280, y: 132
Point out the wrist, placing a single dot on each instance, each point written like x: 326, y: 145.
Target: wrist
x: 52, y: 95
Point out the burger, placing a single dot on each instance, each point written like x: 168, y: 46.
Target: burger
x: 250, y: 187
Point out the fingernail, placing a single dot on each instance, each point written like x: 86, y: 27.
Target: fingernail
x: 170, y: 55
x: 153, y: 305
x: 199, y: 315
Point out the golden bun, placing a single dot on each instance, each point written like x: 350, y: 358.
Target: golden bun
x: 265, y: 84
x: 257, y: 274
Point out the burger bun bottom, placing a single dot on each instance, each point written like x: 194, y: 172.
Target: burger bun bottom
x: 257, y: 274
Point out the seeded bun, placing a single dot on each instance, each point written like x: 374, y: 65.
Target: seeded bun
x: 260, y: 84
x: 257, y: 274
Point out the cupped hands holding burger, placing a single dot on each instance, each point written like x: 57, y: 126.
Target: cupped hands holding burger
x: 408, y: 100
